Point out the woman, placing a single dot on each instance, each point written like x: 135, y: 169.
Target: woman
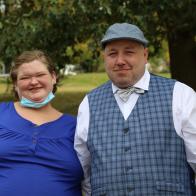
x: 37, y: 157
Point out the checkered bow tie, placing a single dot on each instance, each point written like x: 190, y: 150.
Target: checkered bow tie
x: 125, y: 93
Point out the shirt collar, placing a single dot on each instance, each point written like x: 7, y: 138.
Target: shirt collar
x: 143, y: 83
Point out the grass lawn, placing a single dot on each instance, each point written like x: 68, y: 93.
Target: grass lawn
x: 71, y: 90
x: 82, y: 82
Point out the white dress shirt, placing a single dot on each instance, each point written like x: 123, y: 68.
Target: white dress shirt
x: 184, y: 117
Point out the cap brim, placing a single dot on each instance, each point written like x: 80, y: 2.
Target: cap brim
x: 104, y: 42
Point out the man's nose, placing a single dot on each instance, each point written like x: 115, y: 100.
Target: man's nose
x: 120, y: 60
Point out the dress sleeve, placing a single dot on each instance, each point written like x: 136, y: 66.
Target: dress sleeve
x: 80, y: 143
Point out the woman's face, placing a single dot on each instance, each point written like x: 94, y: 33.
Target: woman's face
x: 34, y: 81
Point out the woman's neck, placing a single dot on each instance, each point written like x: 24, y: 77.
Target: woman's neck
x: 38, y: 116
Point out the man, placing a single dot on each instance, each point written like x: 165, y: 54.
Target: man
x: 136, y: 134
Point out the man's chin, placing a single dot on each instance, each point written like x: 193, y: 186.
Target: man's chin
x: 123, y: 84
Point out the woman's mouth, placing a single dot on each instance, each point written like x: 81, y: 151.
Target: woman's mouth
x: 35, y: 89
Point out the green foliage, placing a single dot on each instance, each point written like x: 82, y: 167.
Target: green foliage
x: 36, y: 24
x: 71, y: 30
x: 160, y: 62
x: 85, y: 54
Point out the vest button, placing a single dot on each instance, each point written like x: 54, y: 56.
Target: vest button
x: 126, y: 149
x: 128, y: 169
x: 129, y: 189
x: 125, y: 130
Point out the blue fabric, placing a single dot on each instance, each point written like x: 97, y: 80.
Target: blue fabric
x: 142, y: 155
x: 37, y: 160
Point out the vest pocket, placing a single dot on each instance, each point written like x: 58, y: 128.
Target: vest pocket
x: 170, y: 186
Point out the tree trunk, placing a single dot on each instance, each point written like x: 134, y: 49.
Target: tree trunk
x: 182, y: 50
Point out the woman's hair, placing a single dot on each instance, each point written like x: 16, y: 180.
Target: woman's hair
x: 27, y: 57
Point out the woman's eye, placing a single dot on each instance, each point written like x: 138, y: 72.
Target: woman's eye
x: 112, y: 54
x: 24, y: 78
x: 41, y: 75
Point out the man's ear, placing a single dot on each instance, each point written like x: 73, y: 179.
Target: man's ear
x: 146, y: 54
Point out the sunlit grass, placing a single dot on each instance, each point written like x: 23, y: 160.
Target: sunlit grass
x: 82, y: 82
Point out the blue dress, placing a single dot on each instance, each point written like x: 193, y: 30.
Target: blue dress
x: 37, y: 160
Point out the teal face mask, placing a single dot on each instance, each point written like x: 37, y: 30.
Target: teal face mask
x: 28, y: 103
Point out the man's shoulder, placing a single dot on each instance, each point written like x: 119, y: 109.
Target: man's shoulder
x: 158, y: 77
x: 161, y: 79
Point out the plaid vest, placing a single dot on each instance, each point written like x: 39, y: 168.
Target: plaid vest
x: 140, y: 156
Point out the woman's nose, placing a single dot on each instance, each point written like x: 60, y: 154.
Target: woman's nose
x: 33, y: 80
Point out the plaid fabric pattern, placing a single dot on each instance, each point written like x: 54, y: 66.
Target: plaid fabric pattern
x: 142, y: 156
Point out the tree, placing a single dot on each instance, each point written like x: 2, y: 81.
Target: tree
x: 174, y: 21
x: 54, y: 25
x: 35, y: 24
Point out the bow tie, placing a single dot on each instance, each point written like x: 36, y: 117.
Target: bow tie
x: 125, y: 93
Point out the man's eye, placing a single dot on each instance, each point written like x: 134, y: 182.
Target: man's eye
x: 130, y: 52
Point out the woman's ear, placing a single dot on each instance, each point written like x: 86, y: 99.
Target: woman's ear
x: 53, y: 78
x: 16, y: 88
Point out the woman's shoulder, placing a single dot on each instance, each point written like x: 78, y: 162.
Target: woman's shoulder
x: 5, y: 106
x: 69, y: 117
x: 6, y: 113
x: 66, y: 120
x: 69, y: 120
x: 65, y: 125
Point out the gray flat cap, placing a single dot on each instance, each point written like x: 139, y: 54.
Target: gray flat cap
x: 123, y: 31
